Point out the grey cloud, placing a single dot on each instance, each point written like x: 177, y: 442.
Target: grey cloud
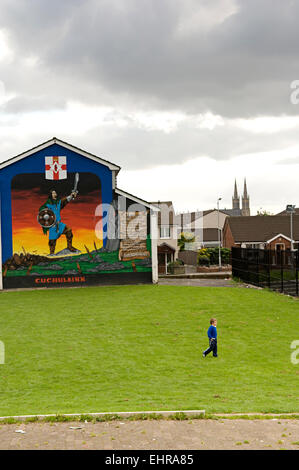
x: 129, y: 54
x: 22, y: 104
x: 241, y: 67
x: 134, y: 148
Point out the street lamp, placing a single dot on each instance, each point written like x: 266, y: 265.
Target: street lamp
x: 291, y: 210
x: 219, y: 239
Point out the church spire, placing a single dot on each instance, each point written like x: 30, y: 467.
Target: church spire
x: 236, y: 198
x: 245, y: 200
x: 245, y: 189
x: 236, y: 191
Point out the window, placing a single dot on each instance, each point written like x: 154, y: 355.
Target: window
x: 165, y: 232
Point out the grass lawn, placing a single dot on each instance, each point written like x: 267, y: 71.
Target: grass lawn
x: 140, y: 348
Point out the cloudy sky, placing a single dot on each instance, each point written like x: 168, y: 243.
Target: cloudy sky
x: 184, y: 95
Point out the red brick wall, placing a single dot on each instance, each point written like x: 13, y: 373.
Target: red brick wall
x: 228, y: 239
x: 272, y: 245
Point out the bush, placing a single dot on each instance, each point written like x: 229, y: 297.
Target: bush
x: 185, y: 237
x: 213, y: 255
x: 203, y: 260
x: 177, y: 262
x: 204, y: 252
x: 225, y: 255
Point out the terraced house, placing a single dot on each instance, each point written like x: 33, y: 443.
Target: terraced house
x: 264, y: 232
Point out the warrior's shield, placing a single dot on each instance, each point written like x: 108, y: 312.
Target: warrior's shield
x: 46, y: 218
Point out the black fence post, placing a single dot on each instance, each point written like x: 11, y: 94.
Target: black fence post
x: 296, y: 267
x: 281, y: 271
x: 262, y: 268
x: 269, y: 267
x: 257, y: 266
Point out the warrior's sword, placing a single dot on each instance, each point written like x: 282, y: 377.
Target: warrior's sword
x: 75, y: 190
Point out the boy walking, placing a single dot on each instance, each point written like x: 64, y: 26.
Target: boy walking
x: 212, y: 334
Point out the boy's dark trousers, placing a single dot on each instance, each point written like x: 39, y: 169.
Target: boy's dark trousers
x: 213, y: 347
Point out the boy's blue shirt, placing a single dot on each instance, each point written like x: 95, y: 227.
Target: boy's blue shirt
x: 212, y: 332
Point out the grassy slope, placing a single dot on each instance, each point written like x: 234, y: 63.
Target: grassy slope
x: 140, y: 348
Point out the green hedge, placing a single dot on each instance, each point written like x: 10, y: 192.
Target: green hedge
x: 210, y: 256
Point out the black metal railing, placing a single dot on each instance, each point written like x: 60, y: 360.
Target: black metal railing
x: 276, y: 270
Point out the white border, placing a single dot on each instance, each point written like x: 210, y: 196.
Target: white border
x: 279, y: 235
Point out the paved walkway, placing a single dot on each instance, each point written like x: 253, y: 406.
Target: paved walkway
x: 199, y: 282
x: 162, y: 434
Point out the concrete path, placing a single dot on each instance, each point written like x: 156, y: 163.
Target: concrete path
x: 199, y: 282
x: 154, y: 435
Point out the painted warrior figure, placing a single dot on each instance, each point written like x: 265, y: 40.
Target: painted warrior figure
x: 58, y: 228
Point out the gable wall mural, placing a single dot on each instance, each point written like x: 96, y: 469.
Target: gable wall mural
x: 63, y: 224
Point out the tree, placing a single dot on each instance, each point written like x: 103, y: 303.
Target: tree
x: 185, y: 237
x: 263, y: 212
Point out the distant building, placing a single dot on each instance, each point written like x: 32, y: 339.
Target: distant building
x: 167, y: 242
x: 287, y: 213
x: 264, y: 232
x: 236, y: 209
x: 190, y: 221
x: 210, y: 238
x: 206, y: 223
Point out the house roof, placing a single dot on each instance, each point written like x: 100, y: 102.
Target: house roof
x: 286, y: 213
x: 66, y: 145
x: 165, y: 248
x: 262, y: 228
x: 89, y: 155
x: 232, y: 212
x: 202, y: 213
x: 159, y: 203
x: 150, y: 205
x: 214, y: 210
x: 166, y: 215
x: 189, y: 220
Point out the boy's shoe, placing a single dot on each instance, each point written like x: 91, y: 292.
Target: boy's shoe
x: 203, y: 355
x: 215, y: 356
